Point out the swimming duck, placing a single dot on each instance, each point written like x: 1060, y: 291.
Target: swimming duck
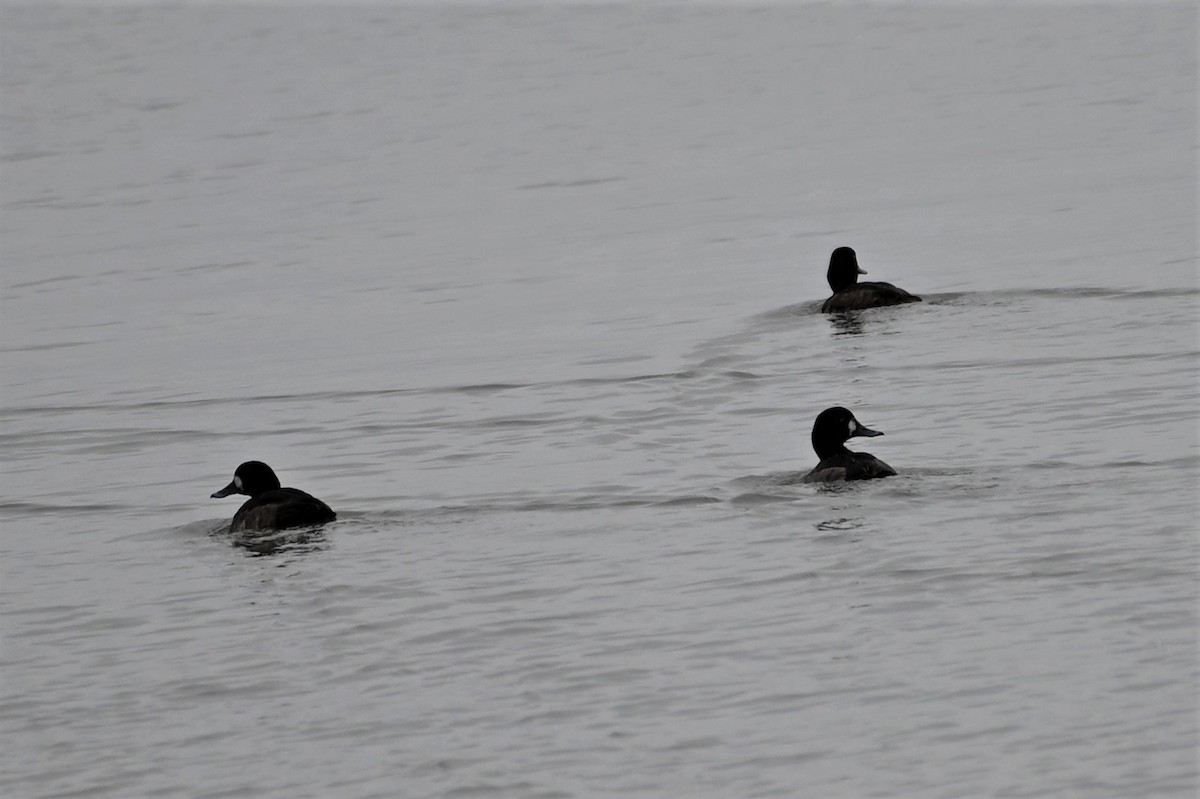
x: 271, y: 507
x: 829, y: 435
x: 849, y: 294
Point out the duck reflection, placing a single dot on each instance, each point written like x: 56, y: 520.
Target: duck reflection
x: 279, y: 542
x: 847, y: 323
x: 839, y: 525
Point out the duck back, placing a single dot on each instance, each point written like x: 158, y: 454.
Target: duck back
x: 280, y: 509
x: 849, y: 466
x: 867, y: 295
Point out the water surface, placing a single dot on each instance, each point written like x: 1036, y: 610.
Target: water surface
x: 529, y: 296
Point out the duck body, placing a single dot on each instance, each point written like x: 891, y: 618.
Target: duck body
x: 849, y: 466
x: 867, y: 295
x: 831, y: 430
x: 271, y: 507
x: 850, y: 295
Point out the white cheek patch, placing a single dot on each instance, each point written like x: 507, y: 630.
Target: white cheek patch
x: 237, y: 481
x: 853, y: 429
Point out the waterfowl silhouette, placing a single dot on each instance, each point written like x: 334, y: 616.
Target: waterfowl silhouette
x: 849, y: 294
x: 833, y: 427
x: 271, y: 507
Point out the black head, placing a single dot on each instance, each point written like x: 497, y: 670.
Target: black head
x: 843, y: 269
x: 251, y: 478
x: 833, y: 427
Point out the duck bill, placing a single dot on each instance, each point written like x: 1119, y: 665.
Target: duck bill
x: 862, y: 430
x: 226, y: 491
x: 862, y: 271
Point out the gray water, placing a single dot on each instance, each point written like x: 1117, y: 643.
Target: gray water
x: 529, y: 296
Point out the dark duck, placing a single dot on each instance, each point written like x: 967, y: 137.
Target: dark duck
x: 271, y: 507
x: 849, y: 294
x: 831, y: 430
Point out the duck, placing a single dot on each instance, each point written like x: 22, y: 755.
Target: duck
x: 849, y: 294
x: 270, y: 506
x: 833, y: 427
